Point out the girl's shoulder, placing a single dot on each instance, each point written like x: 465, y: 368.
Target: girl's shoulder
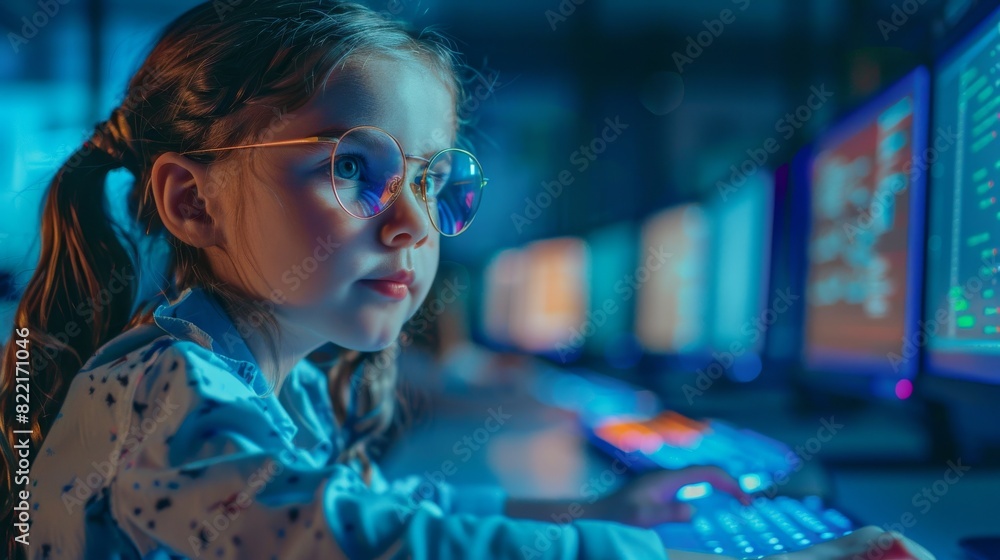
x: 92, y: 433
x: 131, y: 398
x: 116, y: 383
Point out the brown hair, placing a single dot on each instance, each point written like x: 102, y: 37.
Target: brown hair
x: 213, y: 79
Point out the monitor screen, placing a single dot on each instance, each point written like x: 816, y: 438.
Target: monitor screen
x: 961, y: 328
x: 670, y: 281
x: 500, y: 285
x: 612, y: 262
x: 741, y: 245
x: 865, y: 239
x: 551, y: 297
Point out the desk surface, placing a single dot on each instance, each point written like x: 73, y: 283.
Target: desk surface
x: 949, y: 511
x: 539, y: 451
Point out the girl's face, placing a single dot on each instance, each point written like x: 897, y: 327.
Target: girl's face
x: 318, y: 264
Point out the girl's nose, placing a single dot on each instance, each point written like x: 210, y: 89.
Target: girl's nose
x: 407, y: 222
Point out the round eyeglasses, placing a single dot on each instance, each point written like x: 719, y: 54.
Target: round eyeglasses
x: 368, y: 170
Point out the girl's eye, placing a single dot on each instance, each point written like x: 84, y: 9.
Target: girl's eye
x: 435, y: 182
x: 347, y: 167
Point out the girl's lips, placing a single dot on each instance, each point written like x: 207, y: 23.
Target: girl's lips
x: 402, y: 276
x: 388, y: 288
x: 395, y: 286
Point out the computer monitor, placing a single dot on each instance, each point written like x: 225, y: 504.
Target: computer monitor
x: 741, y: 226
x: 611, y: 263
x: 961, y: 333
x: 865, y: 202
x: 547, y: 314
x: 959, y: 341
x: 500, y: 290
x: 670, y: 281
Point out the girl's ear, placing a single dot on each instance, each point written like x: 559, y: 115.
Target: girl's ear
x: 188, y: 203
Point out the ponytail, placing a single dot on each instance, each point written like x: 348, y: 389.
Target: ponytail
x: 362, y: 390
x: 80, y: 295
x: 208, y: 82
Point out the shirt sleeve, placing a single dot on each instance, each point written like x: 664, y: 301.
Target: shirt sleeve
x: 472, y: 499
x: 208, y: 474
x: 595, y: 539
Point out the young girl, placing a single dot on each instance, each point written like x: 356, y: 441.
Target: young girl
x: 299, y: 160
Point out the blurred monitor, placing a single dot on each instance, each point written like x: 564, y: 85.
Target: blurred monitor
x: 608, y: 325
x: 741, y: 225
x: 671, y: 281
x: 959, y: 339
x: 550, y: 301
x: 865, y: 242
x: 962, y: 316
x: 500, y: 289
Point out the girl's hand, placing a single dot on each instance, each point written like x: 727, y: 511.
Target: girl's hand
x: 859, y: 544
x: 651, y: 498
x: 890, y: 544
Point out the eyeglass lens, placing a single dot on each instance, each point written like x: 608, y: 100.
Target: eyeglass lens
x: 367, y: 171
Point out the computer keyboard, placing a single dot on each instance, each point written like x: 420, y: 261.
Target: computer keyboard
x: 621, y: 419
x: 722, y: 525
x: 673, y: 441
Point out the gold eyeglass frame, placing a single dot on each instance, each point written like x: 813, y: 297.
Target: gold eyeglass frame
x: 393, y: 189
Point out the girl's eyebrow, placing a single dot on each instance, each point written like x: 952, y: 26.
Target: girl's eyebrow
x: 336, y: 131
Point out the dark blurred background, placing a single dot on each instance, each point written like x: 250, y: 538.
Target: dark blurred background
x: 557, y: 78
x: 594, y: 120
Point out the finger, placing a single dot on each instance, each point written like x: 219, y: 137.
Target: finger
x: 890, y: 545
x: 912, y: 547
x: 680, y: 512
x: 865, y: 536
x: 719, y: 479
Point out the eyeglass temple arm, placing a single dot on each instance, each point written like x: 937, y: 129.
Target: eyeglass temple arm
x: 309, y: 140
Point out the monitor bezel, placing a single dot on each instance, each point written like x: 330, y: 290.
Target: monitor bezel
x: 816, y: 360
x: 939, y: 368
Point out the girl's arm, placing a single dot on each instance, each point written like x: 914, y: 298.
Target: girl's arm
x: 214, y: 478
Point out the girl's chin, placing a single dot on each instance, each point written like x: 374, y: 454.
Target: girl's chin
x: 376, y: 341
x: 362, y: 329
